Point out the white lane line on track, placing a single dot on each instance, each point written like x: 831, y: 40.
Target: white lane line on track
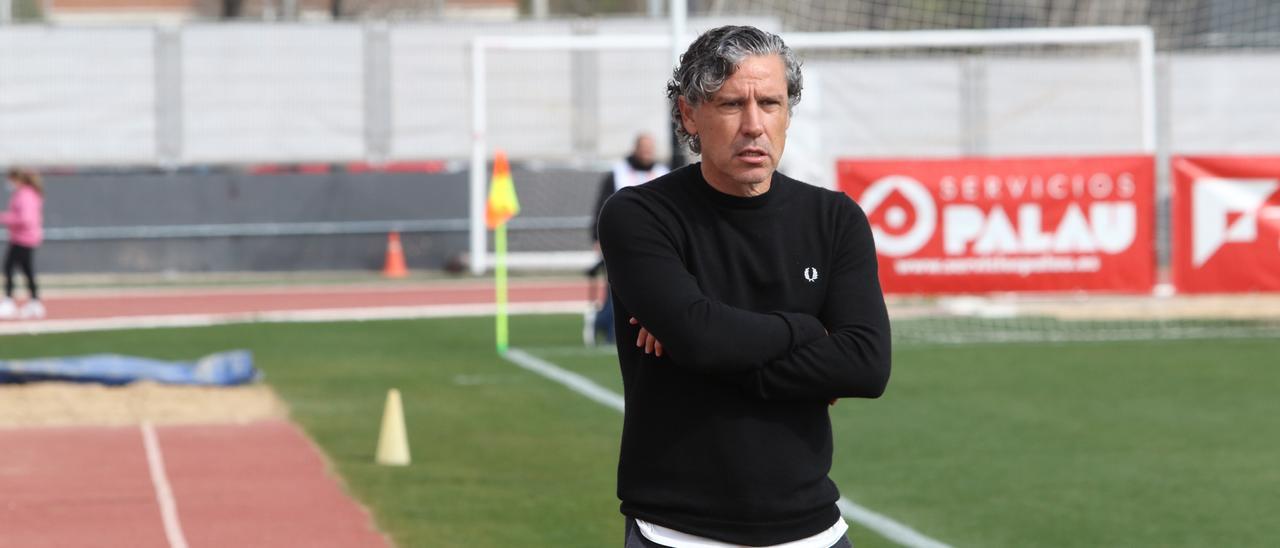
x: 89, y: 293
x: 887, y: 527
x: 164, y: 494
x: 285, y: 316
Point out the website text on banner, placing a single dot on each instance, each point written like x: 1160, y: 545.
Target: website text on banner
x: 977, y: 225
x: 1226, y: 223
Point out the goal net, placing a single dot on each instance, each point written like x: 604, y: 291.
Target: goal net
x: 577, y: 102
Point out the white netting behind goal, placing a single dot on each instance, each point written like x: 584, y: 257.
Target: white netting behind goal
x: 1178, y: 24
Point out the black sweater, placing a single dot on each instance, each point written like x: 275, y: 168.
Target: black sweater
x: 727, y: 435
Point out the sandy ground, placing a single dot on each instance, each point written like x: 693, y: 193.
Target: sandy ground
x: 75, y: 404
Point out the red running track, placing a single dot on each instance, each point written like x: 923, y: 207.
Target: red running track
x: 261, y: 484
x: 76, y: 487
x: 188, y: 301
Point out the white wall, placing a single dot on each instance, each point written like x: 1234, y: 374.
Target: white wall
x: 258, y: 93
x: 78, y: 96
x: 1224, y: 103
x: 302, y: 92
x: 431, y: 91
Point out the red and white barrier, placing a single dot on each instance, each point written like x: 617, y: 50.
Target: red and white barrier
x: 980, y: 225
x: 1226, y: 223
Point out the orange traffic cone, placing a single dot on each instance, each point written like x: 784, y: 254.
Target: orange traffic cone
x: 394, y: 267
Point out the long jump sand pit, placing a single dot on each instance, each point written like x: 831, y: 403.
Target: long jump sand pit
x: 83, y: 404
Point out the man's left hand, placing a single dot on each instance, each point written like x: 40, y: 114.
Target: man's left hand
x: 647, y: 340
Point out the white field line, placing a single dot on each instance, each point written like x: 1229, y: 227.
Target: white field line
x: 164, y: 494
x: 574, y: 381
x: 884, y: 525
x: 285, y: 316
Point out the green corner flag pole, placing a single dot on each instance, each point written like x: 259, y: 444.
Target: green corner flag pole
x: 500, y: 283
x: 501, y: 207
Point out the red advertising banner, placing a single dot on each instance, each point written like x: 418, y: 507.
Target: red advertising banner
x: 1226, y: 223
x: 979, y: 225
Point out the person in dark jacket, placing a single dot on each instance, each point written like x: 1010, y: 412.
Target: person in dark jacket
x: 746, y: 302
x: 639, y: 167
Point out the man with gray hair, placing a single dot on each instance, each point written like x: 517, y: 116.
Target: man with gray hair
x: 753, y: 302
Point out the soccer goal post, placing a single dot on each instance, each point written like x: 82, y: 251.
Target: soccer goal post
x: 1135, y: 44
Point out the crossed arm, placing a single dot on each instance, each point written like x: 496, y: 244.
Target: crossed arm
x: 776, y: 355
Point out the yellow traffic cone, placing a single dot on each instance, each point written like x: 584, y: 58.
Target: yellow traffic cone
x: 393, y: 443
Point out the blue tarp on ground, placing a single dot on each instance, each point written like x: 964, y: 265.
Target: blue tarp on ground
x: 221, y: 369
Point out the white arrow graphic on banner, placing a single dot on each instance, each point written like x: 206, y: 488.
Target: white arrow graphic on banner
x: 1213, y: 200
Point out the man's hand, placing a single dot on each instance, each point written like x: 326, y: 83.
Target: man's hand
x: 647, y: 340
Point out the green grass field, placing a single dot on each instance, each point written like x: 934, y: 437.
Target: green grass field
x: 1081, y: 444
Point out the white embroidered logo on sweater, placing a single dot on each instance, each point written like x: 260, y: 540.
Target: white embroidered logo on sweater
x: 811, y: 274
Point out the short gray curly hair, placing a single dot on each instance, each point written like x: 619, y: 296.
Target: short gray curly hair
x: 713, y: 58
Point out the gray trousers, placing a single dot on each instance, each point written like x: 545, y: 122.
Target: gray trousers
x: 636, y: 540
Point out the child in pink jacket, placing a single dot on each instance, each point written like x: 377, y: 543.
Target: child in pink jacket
x: 25, y: 221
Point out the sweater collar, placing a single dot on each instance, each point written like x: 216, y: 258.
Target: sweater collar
x: 777, y: 187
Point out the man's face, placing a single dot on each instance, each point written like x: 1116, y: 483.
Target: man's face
x: 743, y: 127
x: 645, y: 151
